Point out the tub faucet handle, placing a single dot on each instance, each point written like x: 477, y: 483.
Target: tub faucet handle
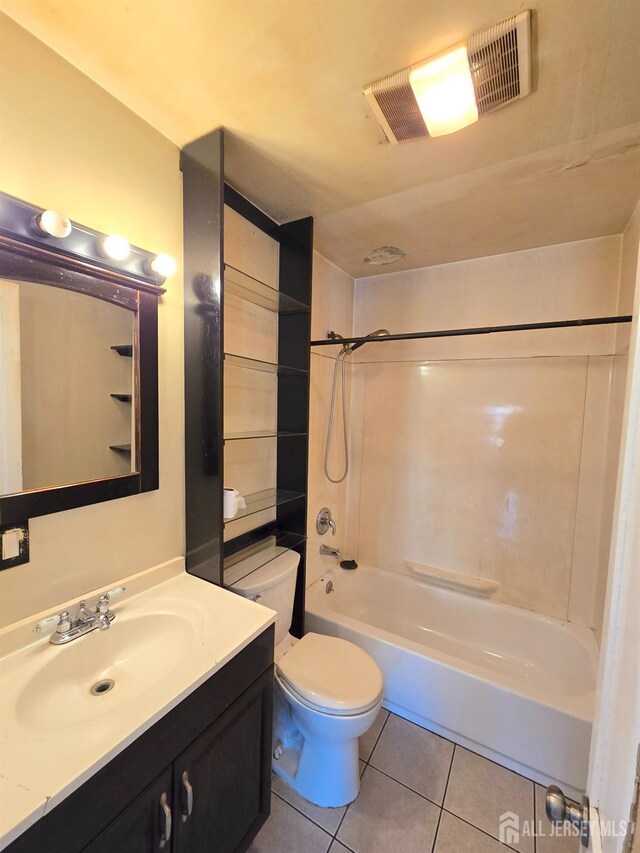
x: 324, y: 522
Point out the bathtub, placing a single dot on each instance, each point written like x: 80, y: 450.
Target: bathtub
x: 514, y: 686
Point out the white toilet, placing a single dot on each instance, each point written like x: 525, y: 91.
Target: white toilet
x: 327, y: 693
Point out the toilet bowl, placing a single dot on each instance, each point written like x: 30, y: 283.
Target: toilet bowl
x: 327, y: 694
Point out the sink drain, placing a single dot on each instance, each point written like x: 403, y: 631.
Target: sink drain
x: 103, y: 686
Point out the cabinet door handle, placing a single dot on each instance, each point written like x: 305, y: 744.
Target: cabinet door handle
x: 166, y: 820
x: 188, y: 789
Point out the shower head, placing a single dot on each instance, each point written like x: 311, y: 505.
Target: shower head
x: 379, y: 333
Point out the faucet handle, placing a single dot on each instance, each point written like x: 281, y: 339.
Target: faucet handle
x: 103, y: 603
x: 64, y: 623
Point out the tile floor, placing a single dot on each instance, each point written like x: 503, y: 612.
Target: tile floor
x: 420, y: 794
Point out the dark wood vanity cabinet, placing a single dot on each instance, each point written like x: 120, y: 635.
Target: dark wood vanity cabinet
x: 201, y: 775
x: 138, y: 828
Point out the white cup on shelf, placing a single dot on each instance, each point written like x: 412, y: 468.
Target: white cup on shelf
x: 232, y: 502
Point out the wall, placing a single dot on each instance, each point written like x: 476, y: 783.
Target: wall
x: 626, y: 295
x: 331, y: 309
x: 69, y: 371
x: 488, y: 455
x: 67, y: 144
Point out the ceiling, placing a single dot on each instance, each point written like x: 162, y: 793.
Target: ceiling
x: 285, y: 78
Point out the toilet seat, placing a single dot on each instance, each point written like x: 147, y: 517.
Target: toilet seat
x: 331, y: 675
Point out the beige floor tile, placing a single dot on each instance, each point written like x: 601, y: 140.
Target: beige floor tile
x: 546, y: 841
x: 326, y: 818
x: 415, y: 757
x: 336, y: 847
x: 456, y: 836
x: 388, y: 818
x: 479, y: 791
x: 287, y: 831
x: 362, y: 766
x: 368, y: 739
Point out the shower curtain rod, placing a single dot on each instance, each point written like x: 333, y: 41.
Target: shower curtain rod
x: 481, y: 330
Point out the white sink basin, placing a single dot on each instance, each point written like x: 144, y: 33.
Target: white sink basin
x: 171, y: 633
x: 130, y: 658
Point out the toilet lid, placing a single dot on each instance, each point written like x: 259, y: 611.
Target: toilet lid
x: 332, y: 674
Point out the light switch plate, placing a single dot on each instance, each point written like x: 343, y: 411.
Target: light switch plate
x: 14, y: 545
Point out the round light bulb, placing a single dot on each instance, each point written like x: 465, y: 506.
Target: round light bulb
x: 54, y: 223
x: 116, y: 247
x: 164, y: 265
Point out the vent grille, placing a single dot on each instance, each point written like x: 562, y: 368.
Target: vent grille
x: 500, y: 62
x: 493, y: 59
x: 397, y: 103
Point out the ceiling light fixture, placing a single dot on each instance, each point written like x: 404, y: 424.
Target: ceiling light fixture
x: 53, y: 223
x: 115, y: 247
x: 448, y: 91
x: 443, y: 88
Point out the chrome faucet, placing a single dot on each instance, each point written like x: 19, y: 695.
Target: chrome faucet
x: 326, y: 551
x: 68, y: 629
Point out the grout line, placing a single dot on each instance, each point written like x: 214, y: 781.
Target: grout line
x: 366, y: 764
x: 491, y: 761
x: 444, y: 797
x: 373, y: 748
x: 477, y: 828
x: 404, y: 785
x: 310, y: 819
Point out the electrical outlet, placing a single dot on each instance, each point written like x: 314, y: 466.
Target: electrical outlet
x: 14, y: 545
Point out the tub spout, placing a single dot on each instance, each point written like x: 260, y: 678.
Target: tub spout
x: 326, y: 551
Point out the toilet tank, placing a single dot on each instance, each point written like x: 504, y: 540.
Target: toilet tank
x: 273, y: 585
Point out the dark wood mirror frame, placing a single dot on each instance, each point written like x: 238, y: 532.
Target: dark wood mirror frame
x: 24, y: 262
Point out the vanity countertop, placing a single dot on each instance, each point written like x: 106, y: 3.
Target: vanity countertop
x: 171, y: 633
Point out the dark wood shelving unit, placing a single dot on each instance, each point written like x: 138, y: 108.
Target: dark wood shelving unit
x: 125, y: 350
x: 207, y: 279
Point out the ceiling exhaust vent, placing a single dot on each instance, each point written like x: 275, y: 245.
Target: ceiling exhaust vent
x: 500, y: 66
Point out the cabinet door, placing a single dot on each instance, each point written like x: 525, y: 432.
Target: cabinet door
x: 144, y: 824
x: 223, y: 780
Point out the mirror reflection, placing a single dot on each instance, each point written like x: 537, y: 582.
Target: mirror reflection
x: 66, y: 387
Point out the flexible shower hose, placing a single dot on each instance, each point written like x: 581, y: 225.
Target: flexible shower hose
x: 341, y: 360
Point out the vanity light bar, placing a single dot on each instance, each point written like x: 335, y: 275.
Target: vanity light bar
x: 52, y: 230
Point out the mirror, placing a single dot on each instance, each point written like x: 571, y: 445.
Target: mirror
x: 67, y: 387
x: 78, y: 369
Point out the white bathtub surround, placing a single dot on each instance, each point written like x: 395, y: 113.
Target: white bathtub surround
x: 45, y: 702
x: 332, y: 308
x: 514, y: 686
x: 492, y: 455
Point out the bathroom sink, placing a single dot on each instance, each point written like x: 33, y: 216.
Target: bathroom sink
x: 66, y: 710
x: 95, y: 675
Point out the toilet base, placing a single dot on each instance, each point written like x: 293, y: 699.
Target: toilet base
x: 318, y: 752
x: 327, y: 774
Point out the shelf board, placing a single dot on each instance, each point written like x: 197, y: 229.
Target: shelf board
x: 124, y: 398
x: 120, y: 448
x: 125, y: 350
x: 266, y: 433
x: 238, y: 283
x: 266, y: 499
x: 231, y: 360
x: 241, y: 563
